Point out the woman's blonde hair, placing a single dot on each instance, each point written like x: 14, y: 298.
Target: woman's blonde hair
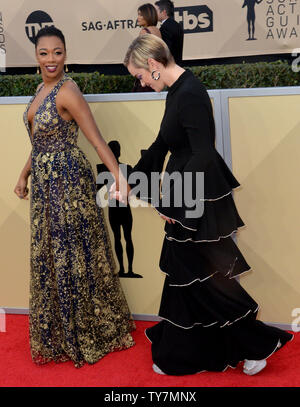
x: 147, y: 46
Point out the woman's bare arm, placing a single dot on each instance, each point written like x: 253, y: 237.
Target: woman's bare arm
x: 21, y: 189
x: 71, y: 99
x: 27, y: 168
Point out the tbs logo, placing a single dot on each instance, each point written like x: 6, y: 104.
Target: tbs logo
x: 194, y: 19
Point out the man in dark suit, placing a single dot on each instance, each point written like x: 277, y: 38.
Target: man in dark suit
x: 171, y: 31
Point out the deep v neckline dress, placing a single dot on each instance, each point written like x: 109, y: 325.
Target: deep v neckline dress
x: 78, y: 310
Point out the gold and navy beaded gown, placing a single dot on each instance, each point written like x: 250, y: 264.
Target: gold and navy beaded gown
x: 78, y: 310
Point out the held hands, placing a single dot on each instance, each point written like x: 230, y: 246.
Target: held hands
x: 21, y: 189
x: 123, y: 197
x: 114, y: 194
x: 122, y: 193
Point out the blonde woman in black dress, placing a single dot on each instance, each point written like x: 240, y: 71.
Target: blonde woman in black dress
x: 208, y: 320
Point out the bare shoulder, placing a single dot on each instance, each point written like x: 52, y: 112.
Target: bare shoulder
x: 70, y: 86
x: 69, y: 91
x: 69, y: 97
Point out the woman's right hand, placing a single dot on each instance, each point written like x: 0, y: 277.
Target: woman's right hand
x: 122, y: 194
x: 21, y: 188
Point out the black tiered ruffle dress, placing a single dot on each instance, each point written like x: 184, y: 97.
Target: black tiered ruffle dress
x: 208, y: 320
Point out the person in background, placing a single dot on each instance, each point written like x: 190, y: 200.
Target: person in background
x: 171, y: 31
x: 147, y: 19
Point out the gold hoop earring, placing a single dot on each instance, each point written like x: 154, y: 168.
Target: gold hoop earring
x: 156, y: 78
x: 66, y: 69
x: 38, y: 70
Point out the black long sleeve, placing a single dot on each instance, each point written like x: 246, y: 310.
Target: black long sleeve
x: 194, y: 116
x: 153, y: 158
x: 152, y: 161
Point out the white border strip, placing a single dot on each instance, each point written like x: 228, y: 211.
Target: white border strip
x: 113, y: 97
x: 103, y: 97
x: 272, y: 91
x: 16, y: 311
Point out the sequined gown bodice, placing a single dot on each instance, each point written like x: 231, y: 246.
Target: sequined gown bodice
x: 50, y: 131
x: 78, y: 310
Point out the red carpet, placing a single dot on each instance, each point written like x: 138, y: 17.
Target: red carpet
x: 130, y: 368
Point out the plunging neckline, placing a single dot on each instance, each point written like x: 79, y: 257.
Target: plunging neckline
x: 29, y: 126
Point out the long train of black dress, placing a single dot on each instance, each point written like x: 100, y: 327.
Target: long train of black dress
x: 208, y: 319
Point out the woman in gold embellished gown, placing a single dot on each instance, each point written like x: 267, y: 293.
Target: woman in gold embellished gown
x: 78, y: 310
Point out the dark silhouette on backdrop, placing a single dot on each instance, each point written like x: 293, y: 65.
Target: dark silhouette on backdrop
x: 120, y: 216
x: 251, y: 16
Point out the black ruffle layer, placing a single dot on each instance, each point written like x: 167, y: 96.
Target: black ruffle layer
x: 178, y: 351
x: 220, y: 219
x: 218, y: 179
x: 218, y: 183
x: 217, y: 301
x: 185, y: 263
x: 215, y: 213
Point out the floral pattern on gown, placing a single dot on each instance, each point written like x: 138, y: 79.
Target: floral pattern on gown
x: 78, y: 310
